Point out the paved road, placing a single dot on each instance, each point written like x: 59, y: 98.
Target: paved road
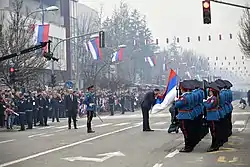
x: 119, y: 141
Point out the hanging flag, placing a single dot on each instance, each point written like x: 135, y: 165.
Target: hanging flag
x: 151, y: 60
x: 168, y: 95
x: 164, y: 67
x: 41, y: 34
x: 95, y: 49
x: 118, y: 55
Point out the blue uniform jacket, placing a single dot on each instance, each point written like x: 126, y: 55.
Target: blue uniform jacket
x: 183, y: 104
x: 201, y: 97
x: 222, y: 107
x: 212, y: 108
x: 89, y: 98
x: 196, y: 107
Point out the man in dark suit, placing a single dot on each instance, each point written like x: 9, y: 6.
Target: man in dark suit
x: 71, y: 108
x: 147, y: 103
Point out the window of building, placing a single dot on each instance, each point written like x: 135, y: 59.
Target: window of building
x: 229, y: 63
x: 216, y: 58
x: 242, y: 57
x: 238, y: 68
x: 232, y: 68
x: 214, y: 68
x: 245, y: 68
x: 236, y: 63
x: 215, y: 64
x: 222, y: 63
x: 225, y: 58
x: 208, y: 58
x: 220, y: 68
x: 246, y: 71
x: 208, y: 63
x: 226, y: 68
x: 234, y: 57
x: 243, y: 62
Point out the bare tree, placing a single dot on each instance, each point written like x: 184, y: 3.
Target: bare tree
x: 244, y: 35
x: 17, y: 34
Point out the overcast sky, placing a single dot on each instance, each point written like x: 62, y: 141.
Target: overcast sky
x: 169, y: 18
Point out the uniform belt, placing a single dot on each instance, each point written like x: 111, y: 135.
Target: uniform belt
x: 185, y: 110
x: 214, y: 109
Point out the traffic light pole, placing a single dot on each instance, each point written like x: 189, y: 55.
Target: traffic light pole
x: 230, y: 4
x: 66, y: 39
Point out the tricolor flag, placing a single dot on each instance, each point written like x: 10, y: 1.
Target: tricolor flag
x: 151, y: 60
x: 95, y: 49
x: 168, y: 95
x: 41, y: 34
x: 118, y: 55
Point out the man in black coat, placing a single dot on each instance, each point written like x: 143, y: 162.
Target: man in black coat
x: 71, y: 105
x: 147, y: 103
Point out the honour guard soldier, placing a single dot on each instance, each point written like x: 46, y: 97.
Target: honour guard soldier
x: 185, y: 116
x: 90, y: 103
x: 229, y: 105
x: 212, y: 104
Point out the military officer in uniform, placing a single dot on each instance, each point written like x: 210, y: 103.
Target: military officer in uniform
x: 213, y: 117
x: 90, y: 103
x: 186, y: 117
x: 21, y: 112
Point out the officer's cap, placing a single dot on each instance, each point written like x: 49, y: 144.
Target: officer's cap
x: 205, y: 83
x: 197, y: 84
x: 214, y: 86
x: 186, y: 84
x: 221, y: 84
x: 90, y: 87
x: 228, y: 84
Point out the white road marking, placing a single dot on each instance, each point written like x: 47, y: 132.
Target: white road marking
x: 102, y: 125
x: 139, y: 123
x: 122, y: 124
x: 241, y: 113
x: 47, y: 135
x: 47, y: 127
x: 59, y: 130
x: 35, y: 135
x: 62, y: 127
x: 160, y: 123
x: 172, y: 154
x: 65, y: 146
x: 239, y: 123
x: 7, y: 141
x: 158, y: 165
x: 160, y: 129
x: 82, y: 126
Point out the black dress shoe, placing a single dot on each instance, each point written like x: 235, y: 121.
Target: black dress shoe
x: 69, y: 127
x: 148, y: 130
x: 186, y: 150
x: 211, y: 149
x: 76, y: 128
x: 90, y: 131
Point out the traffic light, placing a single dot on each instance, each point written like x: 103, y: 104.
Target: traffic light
x: 49, y: 56
x: 206, y: 12
x: 12, y: 75
x: 53, y: 80
x: 102, y: 39
x: 157, y: 42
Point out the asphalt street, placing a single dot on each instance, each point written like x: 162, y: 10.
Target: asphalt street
x: 119, y: 141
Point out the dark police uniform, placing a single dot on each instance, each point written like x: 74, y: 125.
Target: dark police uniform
x: 21, y: 112
x: 28, y: 102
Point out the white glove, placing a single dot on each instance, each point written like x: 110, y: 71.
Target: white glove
x: 91, y: 104
x: 204, y: 100
x: 176, y: 98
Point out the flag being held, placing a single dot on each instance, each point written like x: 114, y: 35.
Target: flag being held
x: 165, y: 100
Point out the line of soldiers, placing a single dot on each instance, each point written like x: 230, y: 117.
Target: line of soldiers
x: 202, y: 106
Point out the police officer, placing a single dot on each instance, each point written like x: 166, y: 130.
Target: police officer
x: 147, y: 103
x: 90, y: 102
x: 41, y: 105
x: 213, y: 117
x: 185, y: 116
x: 21, y: 112
x: 28, y: 110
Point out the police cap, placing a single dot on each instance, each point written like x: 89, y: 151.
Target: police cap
x: 228, y: 84
x: 90, y: 87
x: 197, y: 84
x: 214, y: 86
